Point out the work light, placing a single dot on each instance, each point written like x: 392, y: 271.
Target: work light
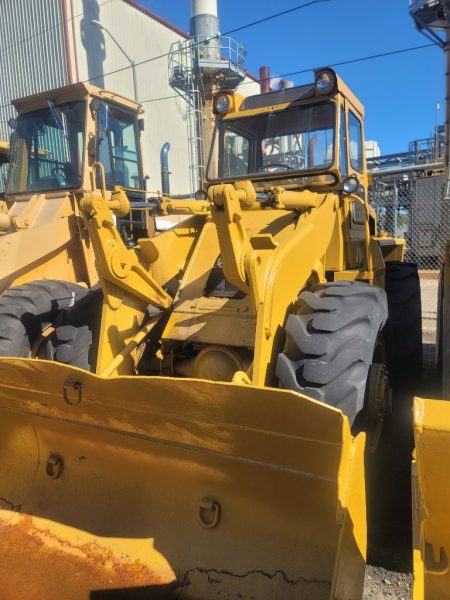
x: 325, y: 81
x: 351, y: 184
x: 222, y: 103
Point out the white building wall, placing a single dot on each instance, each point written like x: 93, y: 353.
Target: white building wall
x: 96, y: 57
x: 372, y: 149
x: 141, y: 37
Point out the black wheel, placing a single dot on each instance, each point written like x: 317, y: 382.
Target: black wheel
x: 27, y: 314
x: 330, y: 342
x: 74, y: 339
x: 404, y: 328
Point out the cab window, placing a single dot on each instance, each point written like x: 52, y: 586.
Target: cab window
x: 356, y: 149
x: 118, y: 149
x: 343, y: 144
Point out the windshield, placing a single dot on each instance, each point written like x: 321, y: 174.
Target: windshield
x: 118, y: 148
x: 296, y: 139
x: 47, y: 149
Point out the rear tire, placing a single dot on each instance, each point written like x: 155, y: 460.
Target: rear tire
x: 330, y: 343
x: 26, y: 310
x: 404, y: 329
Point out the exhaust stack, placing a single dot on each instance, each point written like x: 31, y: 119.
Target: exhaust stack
x: 204, y: 18
x: 203, y: 26
x: 264, y: 80
x: 165, y: 173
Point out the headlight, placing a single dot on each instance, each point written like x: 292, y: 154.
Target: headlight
x: 222, y: 103
x: 325, y: 81
x: 351, y: 185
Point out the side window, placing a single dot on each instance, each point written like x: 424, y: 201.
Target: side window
x: 118, y: 148
x: 356, y: 149
x: 236, y: 154
x: 103, y: 149
x: 124, y: 150
x: 343, y: 142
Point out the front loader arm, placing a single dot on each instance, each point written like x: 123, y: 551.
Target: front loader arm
x: 234, y: 242
x: 114, y: 261
x: 128, y: 286
x: 271, y: 273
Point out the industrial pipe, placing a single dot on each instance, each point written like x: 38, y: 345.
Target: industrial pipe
x: 264, y: 80
x: 204, y: 20
x: 400, y: 170
x: 165, y: 173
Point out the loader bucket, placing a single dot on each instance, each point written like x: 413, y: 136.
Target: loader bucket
x: 431, y: 493
x: 148, y: 487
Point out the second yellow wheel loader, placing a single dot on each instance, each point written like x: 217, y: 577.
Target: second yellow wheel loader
x: 56, y: 138
x: 200, y: 427
x: 430, y: 467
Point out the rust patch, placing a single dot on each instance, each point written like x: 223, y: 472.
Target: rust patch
x: 37, y: 564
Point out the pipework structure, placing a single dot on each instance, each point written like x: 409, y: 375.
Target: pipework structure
x: 199, y: 67
x: 432, y: 18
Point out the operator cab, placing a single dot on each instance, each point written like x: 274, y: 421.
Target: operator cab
x: 305, y: 137
x: 59, y: 135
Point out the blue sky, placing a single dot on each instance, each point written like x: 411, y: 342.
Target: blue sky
x: 400, y: 93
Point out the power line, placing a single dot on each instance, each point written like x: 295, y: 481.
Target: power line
x: 280, y: 14
x: 364, y: 58
x: 311, y: 69
x: 205, y: 41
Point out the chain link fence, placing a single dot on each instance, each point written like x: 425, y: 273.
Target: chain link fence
x: 410, y: 205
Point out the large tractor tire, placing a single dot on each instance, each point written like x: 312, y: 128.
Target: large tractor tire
x: 28, y: 313
x: 330, y: 343
x: 75, y: 336
x: 404, y: 328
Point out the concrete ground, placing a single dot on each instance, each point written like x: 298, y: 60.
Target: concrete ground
x: 381, y: 584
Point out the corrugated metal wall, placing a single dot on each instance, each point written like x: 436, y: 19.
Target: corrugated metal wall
x: 32, y: 51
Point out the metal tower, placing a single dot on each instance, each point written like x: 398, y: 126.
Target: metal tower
x: 198, y: 67
x: 432, y: 18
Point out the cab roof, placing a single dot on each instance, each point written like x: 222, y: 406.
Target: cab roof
x: 282, y: 99
x: 73, y: 92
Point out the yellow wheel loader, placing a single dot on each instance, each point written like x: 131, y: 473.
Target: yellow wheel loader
x: 56, y: 138
x: 195, y: 426
x: 430, y: 467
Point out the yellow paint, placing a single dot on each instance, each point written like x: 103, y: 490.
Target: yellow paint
x: 139, y: 455
x: 144, y: 455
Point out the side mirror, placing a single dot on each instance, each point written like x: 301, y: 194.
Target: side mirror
x: 141, y: 124
x: 101, y: 109
x: 95, y: 105
x: 104, y: 117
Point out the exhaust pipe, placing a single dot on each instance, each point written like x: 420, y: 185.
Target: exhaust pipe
x: 264, y: 80
x: 165, y: 173
x: 204, y: 18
